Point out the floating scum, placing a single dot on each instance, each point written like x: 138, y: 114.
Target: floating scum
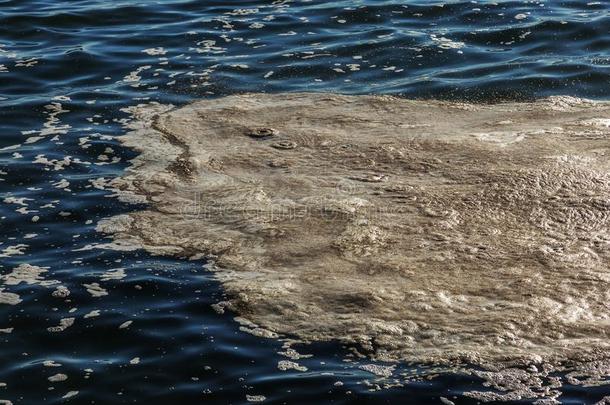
x: 424, y: 231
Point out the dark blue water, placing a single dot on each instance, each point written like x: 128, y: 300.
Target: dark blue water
x: 67, y: 68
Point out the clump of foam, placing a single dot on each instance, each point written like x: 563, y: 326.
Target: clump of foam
x: 255, y: 398
x: 70, y: 394
x: 392, y: 225
x: 113, y: 274
x: 446, y: 43
x: 28, y: 274
x: 64, y: 324
x: 378, y: 370
x: 23, y: 274
x: 96, y: 290
x: 285, y: 365
x: 59, y: 377
x: 9, y: 298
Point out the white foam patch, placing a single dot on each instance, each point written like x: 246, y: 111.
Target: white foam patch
x: 92, y: 314
x: 64, y: 324
x: 28, y: 274
x: 95, y: 290
x: 113, y: 274
x: 13, y: 250
x: 9, y: 298
x: 446, y: 43
x: 155, y: 51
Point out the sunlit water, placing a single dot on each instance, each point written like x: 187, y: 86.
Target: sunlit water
x: 67, y: 68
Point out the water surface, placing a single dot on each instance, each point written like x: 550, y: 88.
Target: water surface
x: 68, y: 68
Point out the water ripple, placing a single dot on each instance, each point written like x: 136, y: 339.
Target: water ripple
x: 68, y: 68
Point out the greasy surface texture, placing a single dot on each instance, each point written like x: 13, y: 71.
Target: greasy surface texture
x: 426, y: 231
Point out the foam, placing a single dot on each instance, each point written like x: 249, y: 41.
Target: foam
x: 96, y: 290
x: 59, y: 377
x: 28, y: 274
x: 64, y: 324
x: 9, y: 298
x: 414, y: 230
x: 285, y: 365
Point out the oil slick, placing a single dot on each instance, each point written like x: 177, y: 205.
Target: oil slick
x: 444, y: 233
